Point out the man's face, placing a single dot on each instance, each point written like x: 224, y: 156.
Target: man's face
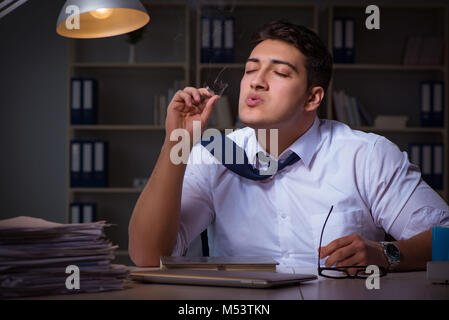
x: 273, y: 89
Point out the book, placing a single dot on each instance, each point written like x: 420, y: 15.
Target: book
x: 390, y: 121
x: 338, y: 108
x: 219, y: 263
x: 366, y: 116
x: 412, y: 50
x: 423, y: 50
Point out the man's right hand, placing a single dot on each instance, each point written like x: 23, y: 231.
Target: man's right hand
x: 186, y: 107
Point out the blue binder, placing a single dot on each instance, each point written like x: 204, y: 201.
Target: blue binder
x: 426, y: 102
x: 430, y: 158
x: 349, y: 41
x: 437, y: 166
x: 338, y: 40
x: 432, y: 104
x: 76, y: 101
x: 100, y: 164
x: 87, y: 164
x: 89, y: 212
x: 414, y: 153
x: 437, y: 94
x: 76, y: 153
x: 229, y: 40
x: 90, y: 101
x: 427, y: 163
x: 217, y: 52
x: 84, y: 100
x: 206, y: 38
x: 76, y: 215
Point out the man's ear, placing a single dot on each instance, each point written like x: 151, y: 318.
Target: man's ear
x: 316, y: 95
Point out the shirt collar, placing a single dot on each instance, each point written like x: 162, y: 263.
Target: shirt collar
x: 304, y: 146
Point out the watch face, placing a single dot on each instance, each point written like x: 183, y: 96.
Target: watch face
x: 393, y: 251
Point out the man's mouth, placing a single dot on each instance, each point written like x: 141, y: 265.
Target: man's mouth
x: 253, y: 100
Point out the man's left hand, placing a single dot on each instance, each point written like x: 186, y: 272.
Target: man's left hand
x: 353, y: 250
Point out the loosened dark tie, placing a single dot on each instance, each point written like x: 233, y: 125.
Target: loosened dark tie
x: 244, y: 169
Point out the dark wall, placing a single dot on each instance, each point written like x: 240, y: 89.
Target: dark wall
x: 33, y: 71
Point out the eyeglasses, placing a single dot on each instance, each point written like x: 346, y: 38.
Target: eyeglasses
x: 345, y: 271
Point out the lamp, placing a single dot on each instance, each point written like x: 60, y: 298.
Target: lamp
x: 100, y: 18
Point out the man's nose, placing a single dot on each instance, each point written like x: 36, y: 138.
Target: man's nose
x: 259, y: 82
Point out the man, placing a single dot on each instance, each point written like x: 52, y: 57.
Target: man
x: 370, y: 184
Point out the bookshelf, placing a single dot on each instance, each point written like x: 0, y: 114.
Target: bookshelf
x: 245, y: 24
x: 389, y: 86
x: 125, y: 115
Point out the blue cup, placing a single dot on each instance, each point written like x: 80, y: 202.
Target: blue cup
x: 440, y: 244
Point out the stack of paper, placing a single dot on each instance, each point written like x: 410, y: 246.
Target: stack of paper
x: 38, y: 257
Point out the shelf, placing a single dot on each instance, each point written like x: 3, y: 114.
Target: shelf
x: 114, y: 127
x: 392, y: 67
x: 258, y: 4
x: 390, y: 6
x: 129, y: 128
x: 129, y: 65
x: 106, y: 190
x: 402, y: 130
x: 222, y: 65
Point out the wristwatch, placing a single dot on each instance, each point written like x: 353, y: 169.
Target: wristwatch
x: 392, y: 254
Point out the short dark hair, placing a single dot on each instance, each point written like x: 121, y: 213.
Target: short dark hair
x: 318, y: 59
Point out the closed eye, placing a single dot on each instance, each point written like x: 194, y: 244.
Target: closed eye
x: 281, y: 74
x: 278, y: 73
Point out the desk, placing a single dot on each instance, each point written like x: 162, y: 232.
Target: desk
x: 403, y: 286
x: 393, y: 286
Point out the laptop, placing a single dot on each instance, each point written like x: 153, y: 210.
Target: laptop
x: 221, y: 278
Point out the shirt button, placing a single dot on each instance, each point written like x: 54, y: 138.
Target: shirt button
x: 283, y: 215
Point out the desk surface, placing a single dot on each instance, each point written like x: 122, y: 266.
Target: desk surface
x: 408, y: 285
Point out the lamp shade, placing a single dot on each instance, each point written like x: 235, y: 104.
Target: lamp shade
x: 100, y: 18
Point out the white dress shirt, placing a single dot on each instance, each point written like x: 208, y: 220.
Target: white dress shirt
x: 371, y: 184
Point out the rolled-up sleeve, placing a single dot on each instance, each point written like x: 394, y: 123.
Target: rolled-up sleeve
x: 197, y: 211
x: 424, y: 209
x: 401, y: 202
